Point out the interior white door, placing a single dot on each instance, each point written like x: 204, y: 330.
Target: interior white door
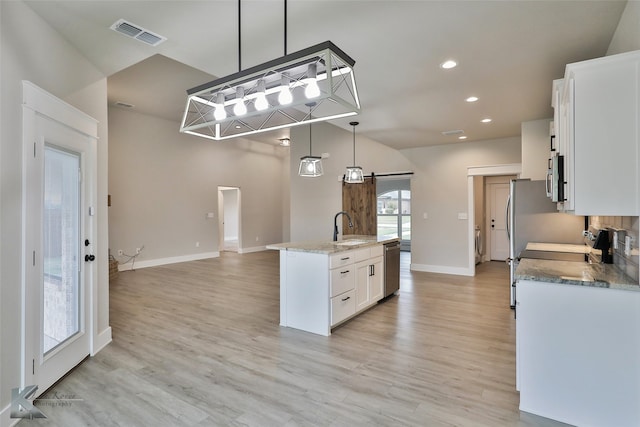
x: 499, y: 195
x: 60, y: 234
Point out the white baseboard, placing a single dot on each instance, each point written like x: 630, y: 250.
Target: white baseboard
x: 101, y: 341
x: 254, y: 249
x: 458, y: 271
x: 5, y: 418
x: 170, y: 260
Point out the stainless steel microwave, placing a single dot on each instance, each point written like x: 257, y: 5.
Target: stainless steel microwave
x: 555, y: 178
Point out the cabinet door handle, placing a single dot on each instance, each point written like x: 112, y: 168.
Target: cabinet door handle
x: 344, y: 299
x: 344, y: 272
x: 345, y: 259
x: 372, y: 270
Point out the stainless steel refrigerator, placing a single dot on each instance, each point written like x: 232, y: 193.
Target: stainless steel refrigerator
x: 532, y: 217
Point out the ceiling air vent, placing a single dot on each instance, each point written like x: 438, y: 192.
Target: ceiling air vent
x: 123, y: 104
x: 137, y: 32
x: 452, y: 132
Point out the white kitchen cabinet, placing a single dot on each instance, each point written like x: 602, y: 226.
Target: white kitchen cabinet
x: 577, y: 353
x: 369, y: 282
x: 599, y: 134
x: 319, y: 291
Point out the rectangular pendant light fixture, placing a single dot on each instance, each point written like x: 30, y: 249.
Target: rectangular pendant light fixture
x: 275, y: 95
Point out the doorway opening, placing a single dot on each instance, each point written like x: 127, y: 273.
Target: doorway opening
x: 229, y: 219
x: 484, y: 207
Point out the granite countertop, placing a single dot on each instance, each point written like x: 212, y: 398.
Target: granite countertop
x: 575, y: 273
x: 329, y: 247
x: 558, y: 247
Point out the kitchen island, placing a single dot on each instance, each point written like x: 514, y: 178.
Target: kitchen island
x: 578, y: 342
x: 323, y: 283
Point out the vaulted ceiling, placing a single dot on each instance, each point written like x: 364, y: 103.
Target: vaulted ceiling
x: 508, y: 52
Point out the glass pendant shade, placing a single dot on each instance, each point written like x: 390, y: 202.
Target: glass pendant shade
x: 354, y: 175
x: 310, y: 166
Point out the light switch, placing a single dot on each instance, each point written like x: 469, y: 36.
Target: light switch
x: 209, y: 214
x: 425, y: 216
x: 462, y: 215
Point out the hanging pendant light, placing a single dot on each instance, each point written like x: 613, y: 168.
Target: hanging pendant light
x: 274, y: 94
x: 354, y: 174
x: 310, y: 166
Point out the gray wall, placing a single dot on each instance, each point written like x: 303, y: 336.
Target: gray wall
x: 439, y: 188
x: 535, y: 149
x: 163, y: 184
x: 31, y: 50
x: 315, y: 201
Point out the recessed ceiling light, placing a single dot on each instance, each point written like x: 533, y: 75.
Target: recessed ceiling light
x: 448, y: 64
x: 487, y: 120
x: 472, y: 99
x: 462, y: 137
x: 285, y: 142
x: 238, y: 127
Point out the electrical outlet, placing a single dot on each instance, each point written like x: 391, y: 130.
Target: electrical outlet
x: 257, y: 239
x: 197, y: 244
x: 137, y: 250
x: 120, y: 252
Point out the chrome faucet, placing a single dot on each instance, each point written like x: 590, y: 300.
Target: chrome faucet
x: 335, y: 224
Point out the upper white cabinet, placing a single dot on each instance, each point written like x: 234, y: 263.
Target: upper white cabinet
x: 597, y: 124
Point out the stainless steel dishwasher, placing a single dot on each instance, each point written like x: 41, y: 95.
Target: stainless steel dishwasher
x: 391, y: 268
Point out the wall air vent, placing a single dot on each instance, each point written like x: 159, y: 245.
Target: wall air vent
x: 452, y: 132
x: 137, y: 32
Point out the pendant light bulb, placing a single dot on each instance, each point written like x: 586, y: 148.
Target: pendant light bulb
x: 261, y: 99
x: 219, y: 113
x: 312, y: 90
x: 285, y: 97
x: 240, y: 109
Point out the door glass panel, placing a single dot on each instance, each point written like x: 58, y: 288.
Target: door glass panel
x: 394, y: 215
x: 61, y: 287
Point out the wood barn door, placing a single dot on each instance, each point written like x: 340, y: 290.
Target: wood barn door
x: 359, y: 201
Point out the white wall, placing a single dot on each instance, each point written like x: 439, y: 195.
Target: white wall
x: 163, y: 183
x: 439, y: 189
x: 31, y: 50
x: 627, y: 35
x: 315, y: 201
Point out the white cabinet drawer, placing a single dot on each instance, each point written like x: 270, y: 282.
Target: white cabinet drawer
x: 362, y: 254
x: 342, y: 279
x: 377, y: 251
x: 341, y: 259
x: 343, y: 306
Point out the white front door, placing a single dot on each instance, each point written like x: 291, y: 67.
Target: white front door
x: 59, y: 234
x: 499, y: 239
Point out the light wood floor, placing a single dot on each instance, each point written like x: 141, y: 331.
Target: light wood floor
x: 198, y: 344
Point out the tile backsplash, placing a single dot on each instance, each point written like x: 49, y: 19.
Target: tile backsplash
x: 624, y: 226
